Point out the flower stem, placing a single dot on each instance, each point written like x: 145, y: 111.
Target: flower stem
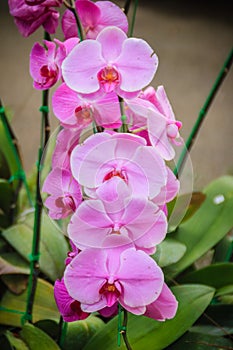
x: 124, y: 127
x: 202, y: 114
x: 35, y: 252
x: 71, y: 7
x: 133, y: 18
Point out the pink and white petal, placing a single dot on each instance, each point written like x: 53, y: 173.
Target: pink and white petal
x: 126, y: 94
x: 89, y: 157
x: 88, y: 12
x: 112, y: 15
x: 67, y: 306
x: 64, y: 103
x: 111, y: 38
x: 85, y: 275
x: 170, y: 190
x: 153, y: 167
x: 79, y: 69
x: 164, y: 102
x: 53, y: 182
x: 164, y: 307
x: 153, y: 235
x: 109, y: 311
x: 68, y: 25
x: 140, y: 310
x: 148, y: 221
x: 140, y: 277
x: 38, y: 58
x: 89, y: 226
x: 137, y: 64
x: 157, y: 131
x: 56, y: 207
x: 107, y: 111
x: 99, y: 305
x: 51, y: 22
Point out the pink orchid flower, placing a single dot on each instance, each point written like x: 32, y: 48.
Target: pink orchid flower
x: 74, y: 111
x: 164, y: 307
x: 136, y: 218
x: 65, y: 193
x: 152, y: 111
x: 66, y: 141
x: 68, y: 307
x: 30, y: 15
x: 45, y: 64
x: 117, y: 63
x: 99, y: 278
x: 94, y: 17
x: 103, y: 156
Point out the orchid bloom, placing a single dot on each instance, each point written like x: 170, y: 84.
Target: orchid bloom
x: 65, y: 193
x: 45, y: 64
x: 98, y: 278
x: 94, y: 17
x: 164, y: 307
x: 74, y: 111
x: 151, y: 112
x: 117, y: 63
x: 136, y: 218
x: 29, y: 15
x: 104, y: 155
x: 66, y: 141
x: 68, y: 307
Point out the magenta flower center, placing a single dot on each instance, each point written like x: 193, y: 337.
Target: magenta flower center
x: 67, y: 201
x: 110, y: 292
x: 83, y: 114
x: 109, y: 78
x: 173, y: 129
x: 47, y: 72
x: 116, y: 172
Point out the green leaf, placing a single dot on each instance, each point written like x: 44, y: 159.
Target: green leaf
x: 199, y: 341
x: 53, y: 245
x: 7, y: 148
x: 12, y: 263
x: 6, y: 194
x: 145, y: 333
x: 80, y: 332
x: 225, y: 290
x: 215, y: 275
x: 36, y: 339
x: 169, y: 252
x: 16, y: 342
x: 13, y: 306
x: 207, y: 226
x: 177, y: 206
x: 211, y: 330
x: 15, y: 283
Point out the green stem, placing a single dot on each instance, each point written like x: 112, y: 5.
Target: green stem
x: 133, y: 18
x: 202, y: 114
x: 71, y: 7
x: 62, y: 332
x: 122, y: 327
x: 124, y: 127
x: 35, y: 252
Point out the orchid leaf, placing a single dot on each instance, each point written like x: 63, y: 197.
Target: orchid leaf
x: 80, y: 332
x: 199, y: 341
x: 36, y: 339
x: 13, y: 306
x: 53, y: 245
x: 15, y: 283
x: 215, y: 275
x: 169, y: 252
x: 12, y: 263
x: 146, y: 333
x: 15, y: 342
x: 207, y: 226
